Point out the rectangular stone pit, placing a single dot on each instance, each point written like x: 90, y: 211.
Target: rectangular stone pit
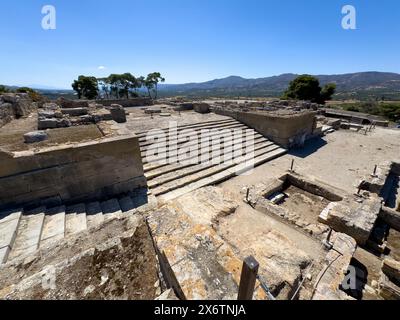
x: 298, y: 201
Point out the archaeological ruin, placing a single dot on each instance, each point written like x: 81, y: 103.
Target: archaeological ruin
x: 168, y: 199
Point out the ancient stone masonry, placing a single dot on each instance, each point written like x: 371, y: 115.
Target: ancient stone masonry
x: 115, y: 260
x: 357, y: 117
x: 332, y: 274
x: 95, y: 169
x: 124, y: 200
x: 14, y: 106
x: 67, y: 114
x: 287, y: 128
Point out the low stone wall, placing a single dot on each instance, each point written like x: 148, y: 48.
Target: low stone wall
x: 362, y: 118
x: 126, y: 103
x: 285, y: 130
x: 68, y: 173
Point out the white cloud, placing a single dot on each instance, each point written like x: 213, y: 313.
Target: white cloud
x: 101, y: 67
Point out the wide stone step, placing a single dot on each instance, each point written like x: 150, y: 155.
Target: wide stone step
x: 251, y: 137
x: 221, y: 176
x: 208, y: 171
x: 209, y: 138
x: 177, y: 171
x: 53, y: 226
x: 194, y: 133
x: 142, y: 134
x: 242, y: 143
x: 94, y: 214
x: 177, y: 130
x: 28, y: 234
x: 111, y: 209
x: 9, y: 222
x: 75, y: 219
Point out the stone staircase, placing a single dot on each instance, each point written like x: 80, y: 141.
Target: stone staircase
x: 170, y: 179
x: 23, y: 231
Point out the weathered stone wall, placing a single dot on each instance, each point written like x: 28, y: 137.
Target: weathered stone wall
x: 90, y: 170
x: 285, y: 130
x: 126, y: 103
x: 14, y: 106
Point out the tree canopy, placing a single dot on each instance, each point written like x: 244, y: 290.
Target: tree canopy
x: 117, y: 86
x: 86, y: 87
x: 306, y: 87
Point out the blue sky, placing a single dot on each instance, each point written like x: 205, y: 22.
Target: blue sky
x: 194, y: 40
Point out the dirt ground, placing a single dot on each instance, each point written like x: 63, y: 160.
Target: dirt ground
x: 11, y: 135
x: 310, y: 205
x: 340, y: 159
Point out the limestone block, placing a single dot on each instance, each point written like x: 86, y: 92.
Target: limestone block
x: 65, y: 103
x: 75, y: 112
x: 35, y: 136
x: 353, y: 218
x: 391, y: 268
x: 201, y: 107
x: 387, y: 289
x: 118, y: 113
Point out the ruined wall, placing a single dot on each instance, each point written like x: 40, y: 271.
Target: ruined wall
x: 126, y: 103
x: 285, y: 130
x: 14, y: 106
x: 90, y: 170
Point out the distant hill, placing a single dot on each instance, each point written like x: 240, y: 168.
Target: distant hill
x: 362, y: 85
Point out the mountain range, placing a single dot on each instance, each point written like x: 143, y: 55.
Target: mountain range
x: 362, y: 85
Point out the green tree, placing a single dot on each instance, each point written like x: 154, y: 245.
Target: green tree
x: 86, y: 87
x: 152, y: 81
x: 327, y: 92
x: 306, y: 87
x: 25, y: 90
x: 3, y: 89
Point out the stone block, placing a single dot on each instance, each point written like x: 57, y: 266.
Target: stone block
x: 35, y: 136
x: 75, y: 112
x: 65, y: 103
x: 356, y: 219
x: 118, y: 113
x: 201, y: 107
x: 391, y: 268
x: 387, y: 289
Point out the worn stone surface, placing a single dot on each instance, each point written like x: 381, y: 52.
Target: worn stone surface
x: 387, y: 289
x: 391, y: 268
x: 201, y: 107
x: 118, y: 113
x: 35, y: 136
x: 13, y: 106
x: 333, y: 272
x: 75, y: 111
x: 67, y: 104
x: 203, y: 264
x: 115, y: 261
x: 354, y: 216
x: 77, y: 171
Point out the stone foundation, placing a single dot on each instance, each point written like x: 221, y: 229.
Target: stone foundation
x: 288, y: 129
x: 82, y: 171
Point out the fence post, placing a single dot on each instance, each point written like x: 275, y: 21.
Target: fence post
x: 248, y: 278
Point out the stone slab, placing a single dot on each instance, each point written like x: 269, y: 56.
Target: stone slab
x: 54, y: 225
x: 28, y: 235
x: 94, y: 214
x: 111, y: 209
x: 75, y: 219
